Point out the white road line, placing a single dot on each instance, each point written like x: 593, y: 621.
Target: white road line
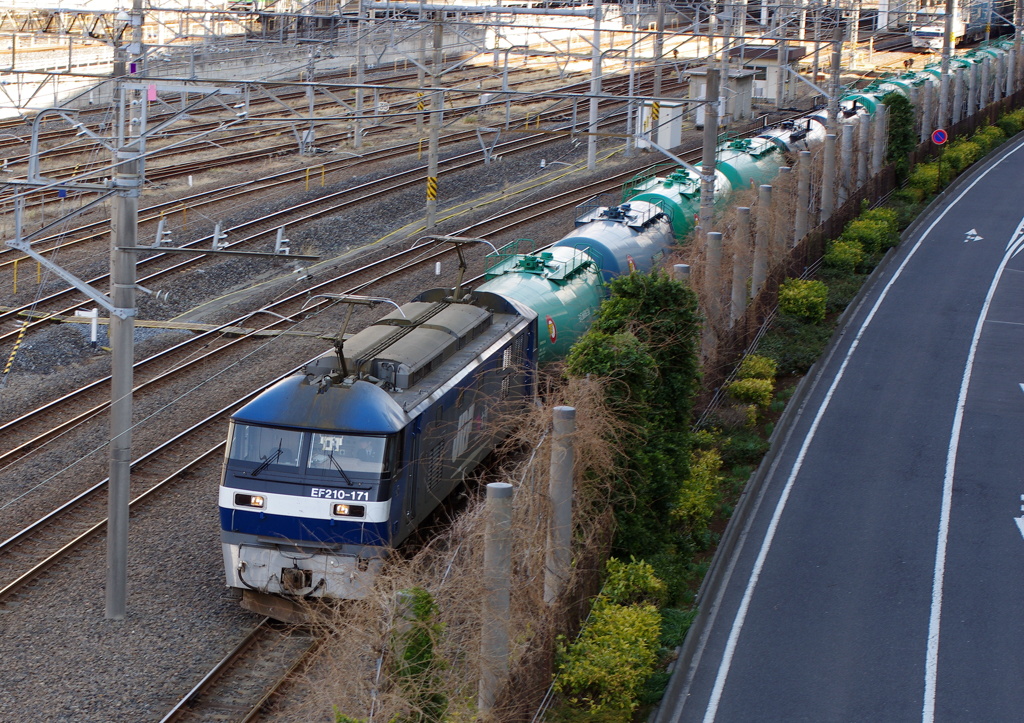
x: 931, y: 667
x: 741, y: 613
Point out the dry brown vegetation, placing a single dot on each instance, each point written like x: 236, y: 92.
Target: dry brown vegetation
x: 357, y: 670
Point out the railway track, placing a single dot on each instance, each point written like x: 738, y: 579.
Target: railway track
x: 249, y: 678
x: 35, y: 548
x: 261, y: 228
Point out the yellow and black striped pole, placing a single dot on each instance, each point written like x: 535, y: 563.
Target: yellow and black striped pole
x: 431, y: 188
x: 14, y: 351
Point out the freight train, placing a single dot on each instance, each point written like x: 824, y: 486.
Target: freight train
x: 330, y: 469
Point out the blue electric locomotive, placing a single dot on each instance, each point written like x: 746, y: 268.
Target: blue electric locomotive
x: 328, y: 470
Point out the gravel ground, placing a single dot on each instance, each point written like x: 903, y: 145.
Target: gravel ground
x: 60, y: 659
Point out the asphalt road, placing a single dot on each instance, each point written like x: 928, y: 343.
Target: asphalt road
x: 880, y: 574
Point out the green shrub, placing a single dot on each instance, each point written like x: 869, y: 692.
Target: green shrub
x: 924, y: 179
x: 1011, y: 123
x: 988, y: 138
x: 960, y: 154
x: 794, y: 344
x: 743, y: 447
x: 629, y: 583
x: 844, y: 255
x: 803, y: 299
x: 613, y: 657
x: 902, y: 136
x: 875, y: 234
x: 698, y: 498
x: 752, y: 391
x: 754, y: 366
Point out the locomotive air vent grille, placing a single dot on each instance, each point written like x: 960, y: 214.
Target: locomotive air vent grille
x: 435, y: 463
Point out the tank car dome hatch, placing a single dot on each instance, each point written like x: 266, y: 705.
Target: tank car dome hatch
x: 293, y: 402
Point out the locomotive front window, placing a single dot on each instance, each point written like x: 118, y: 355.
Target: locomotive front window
x: 264, y: 446
x: 348, y: 453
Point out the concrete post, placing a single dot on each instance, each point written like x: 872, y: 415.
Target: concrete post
x: 740, y: 265
x: 828, y: 178
x: 972, y: 91
x: 760, y: 267
x: 1011, y: 85
x: 846, y: 162
x: 881, y: 136
x: 713, y: 275
x: 926, y: 110
x: 985, y: 73
x: 958, y: 95
x: 497, y: 573
x: 803, y: 197
x: 560, y: 483
x: 782, y: 227
x: 681, y: 273
x: 863, y: 147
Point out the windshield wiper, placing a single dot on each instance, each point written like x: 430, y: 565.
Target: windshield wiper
x: 267, y: 462
x: 337, y: 466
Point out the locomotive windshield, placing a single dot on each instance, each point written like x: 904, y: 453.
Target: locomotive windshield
x: 265, y: 446
x: 347, y: 452
x: 348, y: 457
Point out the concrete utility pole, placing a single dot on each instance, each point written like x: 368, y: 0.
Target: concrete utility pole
x: 124, y: 225
x: 1018, y: 21
x: 357, y: 123
x: 436, y: 108
x: 659, y: 48
x: 833, y: 86
x: 947, y: 44
x: 707, y: 179
x: 595, y: 89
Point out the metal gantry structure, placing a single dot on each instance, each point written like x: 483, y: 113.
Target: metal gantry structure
x: 155, y: 47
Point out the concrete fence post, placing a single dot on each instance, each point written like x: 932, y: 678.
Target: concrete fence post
x: 740, y: 265
x: 494, y: 641
x: 760, y: 267
x: 828, y: 178
x: 803, y: 197
x: 560, y: 483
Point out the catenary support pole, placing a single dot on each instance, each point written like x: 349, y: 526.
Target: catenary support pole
x: 436, y: 109
x: 560, y: 484
x: 707, y: 179
x: 123, y: 233
x: 494, y: 643
x: 595, y: 90
x: 947, y: 46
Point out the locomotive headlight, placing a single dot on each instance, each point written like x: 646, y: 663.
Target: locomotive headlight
x: 250, y: 500
x: 349, y: 510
